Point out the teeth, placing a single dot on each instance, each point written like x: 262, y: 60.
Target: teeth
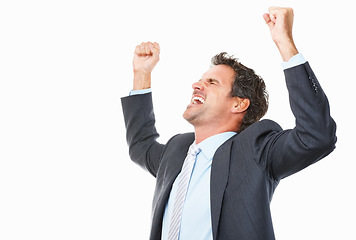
x: 198, y: 99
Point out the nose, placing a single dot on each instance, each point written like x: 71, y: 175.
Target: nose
x: 198, y: 86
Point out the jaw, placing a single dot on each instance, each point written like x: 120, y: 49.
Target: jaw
x: 193, y: 113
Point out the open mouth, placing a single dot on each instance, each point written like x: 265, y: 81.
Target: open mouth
x: 198, y: 100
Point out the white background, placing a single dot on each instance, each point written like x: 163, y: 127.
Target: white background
x: 65, y: 172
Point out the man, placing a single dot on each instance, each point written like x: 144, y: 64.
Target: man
x: 239, y: 160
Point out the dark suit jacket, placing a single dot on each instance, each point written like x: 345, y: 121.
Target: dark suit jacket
x: 247, y: 168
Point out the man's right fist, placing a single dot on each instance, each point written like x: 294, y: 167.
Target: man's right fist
x: 146, y: 57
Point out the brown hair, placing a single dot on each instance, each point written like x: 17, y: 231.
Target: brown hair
x: 247, y: 84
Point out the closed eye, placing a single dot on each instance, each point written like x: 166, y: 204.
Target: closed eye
x: 212, y: 81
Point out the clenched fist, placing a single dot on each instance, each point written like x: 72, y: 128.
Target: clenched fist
x: 280, y: 23
x: 145, y: 59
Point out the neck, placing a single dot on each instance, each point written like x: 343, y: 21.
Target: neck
x: 202, y: 133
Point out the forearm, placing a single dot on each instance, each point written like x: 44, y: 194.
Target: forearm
x: 310, y: 107
x: 141, y: 133
x: 314, y: 135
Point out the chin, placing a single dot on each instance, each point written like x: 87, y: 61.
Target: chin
x: 186, y: 115
x: 191, y: 118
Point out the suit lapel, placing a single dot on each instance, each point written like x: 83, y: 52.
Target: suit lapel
x: 175, y: 166
x: 218, y: 182
x: 171, y: 169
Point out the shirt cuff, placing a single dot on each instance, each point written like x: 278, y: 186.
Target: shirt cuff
x: 296, y: 60
x: 141, y: 91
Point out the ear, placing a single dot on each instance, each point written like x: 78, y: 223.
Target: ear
x: 240, y: 105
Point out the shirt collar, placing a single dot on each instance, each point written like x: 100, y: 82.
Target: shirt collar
x: 211, y: 144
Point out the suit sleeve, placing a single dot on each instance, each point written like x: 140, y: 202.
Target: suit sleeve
x: 314, y: 135
x: 141, y: 133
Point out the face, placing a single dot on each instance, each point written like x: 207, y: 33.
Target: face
x: 211, y: 102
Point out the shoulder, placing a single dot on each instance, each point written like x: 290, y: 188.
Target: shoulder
x: 177, y: 148
x: 178, y: 143
x: 262, y: 127
x: 181, y: 140
x: 257, y: 135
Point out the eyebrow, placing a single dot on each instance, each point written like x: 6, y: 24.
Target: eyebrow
x: 211, y: 80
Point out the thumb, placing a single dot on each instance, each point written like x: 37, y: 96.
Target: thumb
x: 155, y: 49
x: 268, y: 20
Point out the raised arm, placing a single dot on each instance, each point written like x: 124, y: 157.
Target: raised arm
x: 314, y: 134
x: 139, y: 118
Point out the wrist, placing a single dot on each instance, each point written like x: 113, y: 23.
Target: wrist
x: 287, y: 50
x: 141, y: 81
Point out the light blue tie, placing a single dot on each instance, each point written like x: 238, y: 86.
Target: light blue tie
x: 183, y: 183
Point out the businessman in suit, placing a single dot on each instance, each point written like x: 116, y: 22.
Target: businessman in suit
x: 241, y: 159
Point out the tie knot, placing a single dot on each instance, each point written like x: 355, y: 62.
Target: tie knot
x: 194, y: 149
